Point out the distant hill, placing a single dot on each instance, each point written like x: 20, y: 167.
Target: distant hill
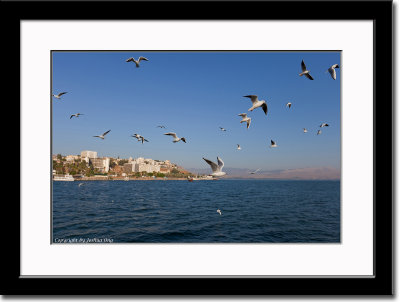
x: 322, y: 173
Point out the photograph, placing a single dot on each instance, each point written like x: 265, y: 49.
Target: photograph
x: 195, y: 146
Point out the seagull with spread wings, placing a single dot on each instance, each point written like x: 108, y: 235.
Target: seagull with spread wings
x: 139, y: 138
x: 332, y: 71
x: 76, y: 115
x: 176, y: 138
x: 257, y: 103
x: 102, y: 136
x: 246, y: 119
x: 217, y: 169
x: 305, y: 72
x: 136, y: 61
x: 289, y: 104
x: 58, y: 96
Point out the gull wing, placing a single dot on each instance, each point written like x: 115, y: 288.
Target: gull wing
x: 335, y: 66
x: 61, y: 93
x: 72, y: 116
x: 248, y: 123
x: 309, y: 76
x: 213, y: 165
x: 106, y: 132
x: 303, y: 66
x: 183, y: 139
x: 252, y: 97
x: 220, y: 163
x: 265, y: 108
x: 332, y: 72
x: 272, y: 142
x: 244, y: 115
x: 142, y: 58
x: 130, y: 60
x: 172, y: 134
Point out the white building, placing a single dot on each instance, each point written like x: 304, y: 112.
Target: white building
x: 89, y: 154
x: 102, y: 163
x: 71, y: 158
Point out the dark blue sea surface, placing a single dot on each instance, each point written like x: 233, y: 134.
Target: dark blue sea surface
x: 175, y: 211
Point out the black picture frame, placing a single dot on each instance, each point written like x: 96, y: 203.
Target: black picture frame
x: 378, y: 11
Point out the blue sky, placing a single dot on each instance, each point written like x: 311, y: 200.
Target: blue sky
x: 193, y: 94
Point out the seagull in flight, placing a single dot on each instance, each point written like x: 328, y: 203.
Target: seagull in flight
x: 257, y: 103
x: 254, y: 172
x: 102, y: 136
x: 246, y: 119
x: 222, y: 129
x: 76, y: 115
x: 332, y: 71
x: 305, y: 71
x: 319, y: 132
x: 80, y: 184
x: 273, y: 144
x: 324, y: 125
x: 58, y: 96
x: 138, y: 60
x: 238, y: 147
x: 161, y: 127
x: 219, y: 212
x: 217, y: 169
x: 305, y: 130
x: 139, y: 138
x: 176, y: 138
x: 289, y: 105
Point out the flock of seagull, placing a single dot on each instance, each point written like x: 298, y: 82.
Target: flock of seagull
x: 256, y: 103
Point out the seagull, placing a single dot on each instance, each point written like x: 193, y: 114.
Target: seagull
x: 305, y: 71
x: 176, y: 138
x: 80, y: 184
x: 319, y: 132
x: 222, y: 129
x: 324, y: 125
x: 273, y: 144
x: 289, y: 105
x: 238, y: 147
x: 76, y: 115
x: 58, y: 96
x: 254, y: 172
x: 245, y: 118
x: 305, y: 130
x: 102, y: 136
x: 257, y: 103
x: 332, y: 71
x: 219, y: 212
x: 139, y: 138
x: 160, y: 126
x: 217, y: 169
x: 138, y: 60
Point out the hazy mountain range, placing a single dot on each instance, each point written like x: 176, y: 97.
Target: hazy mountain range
x: 322, y: 173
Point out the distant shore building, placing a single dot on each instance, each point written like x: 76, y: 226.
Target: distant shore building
x: 101, y: 163
x: 71, y: 158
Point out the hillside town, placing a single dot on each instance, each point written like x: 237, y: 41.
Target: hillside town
x: 89, y: 166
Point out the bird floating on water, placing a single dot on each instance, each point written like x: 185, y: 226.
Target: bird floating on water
x: 139, y: 138
x: 238, y: 147
x: 136, y: 61
x: 289, y: 105
x: 332, y: 71
x: 305, y: 71
x: 219, y: 212
x: 217, y: 169
x: 324, y: 125
x: 176, y: 138
x: 102, y: 136
x: 257, y: 103
x: 273, y: 144
x: 80, y: 184
x: 76, y: 115
x: 58, y: 96
x: 246, y: 119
